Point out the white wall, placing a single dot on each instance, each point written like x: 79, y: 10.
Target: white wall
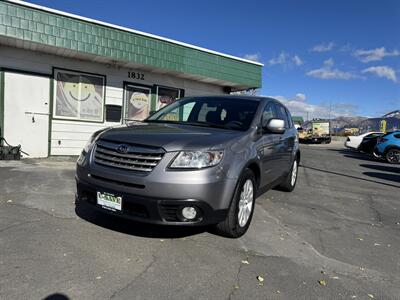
x: 68, y: 137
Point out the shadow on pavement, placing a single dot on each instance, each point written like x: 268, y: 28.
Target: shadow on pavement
x: 356, y: 155
x: 135, y: 228
x: 382, y: 168
x: 385, y: 176
x: 56, y: 296
x: 355, y: 177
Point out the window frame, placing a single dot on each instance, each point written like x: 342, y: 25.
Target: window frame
x: 181, y: 93
x: 286, y: 120
x: 54, y: 98
x: 272, y: 103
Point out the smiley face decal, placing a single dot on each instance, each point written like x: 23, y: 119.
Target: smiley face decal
x: 79, y: 96
x: 82, y: 92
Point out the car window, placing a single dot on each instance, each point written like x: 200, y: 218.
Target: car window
x: 281, y: 111
x: 289, y: 117
x: 268, y: 113
x: 373, y: 135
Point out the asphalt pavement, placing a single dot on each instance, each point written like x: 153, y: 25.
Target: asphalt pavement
x: 337, y: 236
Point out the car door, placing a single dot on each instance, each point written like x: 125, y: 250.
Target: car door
x: 267, y: 147
x: 286, y: 141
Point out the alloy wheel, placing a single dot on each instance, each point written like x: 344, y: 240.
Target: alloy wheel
x: 246, y: 203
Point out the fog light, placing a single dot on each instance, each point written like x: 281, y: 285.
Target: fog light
x: 189, y: 212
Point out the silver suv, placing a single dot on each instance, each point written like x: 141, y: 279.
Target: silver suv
x: 197, y: 161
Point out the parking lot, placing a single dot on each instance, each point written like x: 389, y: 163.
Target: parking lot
x: 337, y: 236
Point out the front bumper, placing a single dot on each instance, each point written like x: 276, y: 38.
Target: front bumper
x: 158, y: 197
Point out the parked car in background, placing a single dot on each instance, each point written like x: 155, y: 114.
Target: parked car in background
x: 388, y: 147
x: 369, y: 142
x: 354, y: 142
x: 197, y: 161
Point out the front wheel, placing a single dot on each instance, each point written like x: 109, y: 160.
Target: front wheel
x: 393, y: 156
x: 242, y: 207
x: 289, y: 182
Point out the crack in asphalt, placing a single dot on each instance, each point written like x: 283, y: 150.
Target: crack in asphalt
x: 18, y: 224
x: 41, y: 211
x: 377, y: 214
x: 135, y: 279
x: 234, y: 288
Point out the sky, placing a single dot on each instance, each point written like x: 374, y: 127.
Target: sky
x: 322, y: 58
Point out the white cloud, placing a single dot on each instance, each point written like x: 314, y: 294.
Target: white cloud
x: 280, y: 60
x: 297, y: 60
x: 299, y: 106
x: 328, y: 72
x: 382, y: 71
x: 323, y: 47
x: 377, y: 54
x: 286, y: 60
x: 253, y: 57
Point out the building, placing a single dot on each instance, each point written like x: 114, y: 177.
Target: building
x: 63, y: 76
x: 298, y: 121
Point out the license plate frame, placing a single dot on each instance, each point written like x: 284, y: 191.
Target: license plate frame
x: 109, y: 201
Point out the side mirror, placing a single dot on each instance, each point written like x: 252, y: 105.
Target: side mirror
x: 275, y: 126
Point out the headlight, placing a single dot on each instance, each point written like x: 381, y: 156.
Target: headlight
x: 196, y: 159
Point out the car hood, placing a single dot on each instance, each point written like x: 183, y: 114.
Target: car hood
x: 172, y: 137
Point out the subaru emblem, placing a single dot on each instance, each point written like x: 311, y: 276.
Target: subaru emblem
x: 122, y: 149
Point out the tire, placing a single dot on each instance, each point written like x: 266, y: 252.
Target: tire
x: 233, y: 226
x: 393, y: 156
x: 289, y: 182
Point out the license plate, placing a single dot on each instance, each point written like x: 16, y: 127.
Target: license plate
x: 109, y: 201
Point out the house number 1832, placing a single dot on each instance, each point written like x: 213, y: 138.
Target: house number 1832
x: 136, y: 75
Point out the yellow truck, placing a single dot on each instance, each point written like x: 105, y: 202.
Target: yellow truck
x: 319, y: 133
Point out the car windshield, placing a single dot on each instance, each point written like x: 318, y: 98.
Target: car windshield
x: 217, y: 112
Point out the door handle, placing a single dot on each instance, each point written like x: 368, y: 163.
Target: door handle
x: 36, y: 113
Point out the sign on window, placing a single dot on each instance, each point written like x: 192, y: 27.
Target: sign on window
x: 137, y: 103
x: 79, y: 96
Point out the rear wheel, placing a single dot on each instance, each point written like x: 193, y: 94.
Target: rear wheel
x: 290, y: 180
x: 242, y: 207
x: 393, y: 156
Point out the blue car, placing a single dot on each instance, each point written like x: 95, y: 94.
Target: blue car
x: 388, y: 147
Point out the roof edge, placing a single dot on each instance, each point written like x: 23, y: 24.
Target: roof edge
x: 66, y: 14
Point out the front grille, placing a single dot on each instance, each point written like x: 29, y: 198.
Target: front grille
x: 135, y: 158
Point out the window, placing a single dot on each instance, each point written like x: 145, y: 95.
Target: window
x: 113, y: 113
x: 289, y: 117
x: 268, y: 113
x: 281, y: 111
x: 79, y: 96
x: 137, y: 103
x: 166, y: 95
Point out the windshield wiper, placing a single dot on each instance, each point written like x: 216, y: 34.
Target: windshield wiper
x: 206, y: 124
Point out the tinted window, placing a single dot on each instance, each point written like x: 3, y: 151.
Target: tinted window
x: 268, y: 113
x: 289, y: 117
x: 209, y: 111
x: 281, y: 111
x: 113, y: 113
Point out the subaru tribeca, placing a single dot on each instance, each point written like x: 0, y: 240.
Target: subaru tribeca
x: 197, y: 161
